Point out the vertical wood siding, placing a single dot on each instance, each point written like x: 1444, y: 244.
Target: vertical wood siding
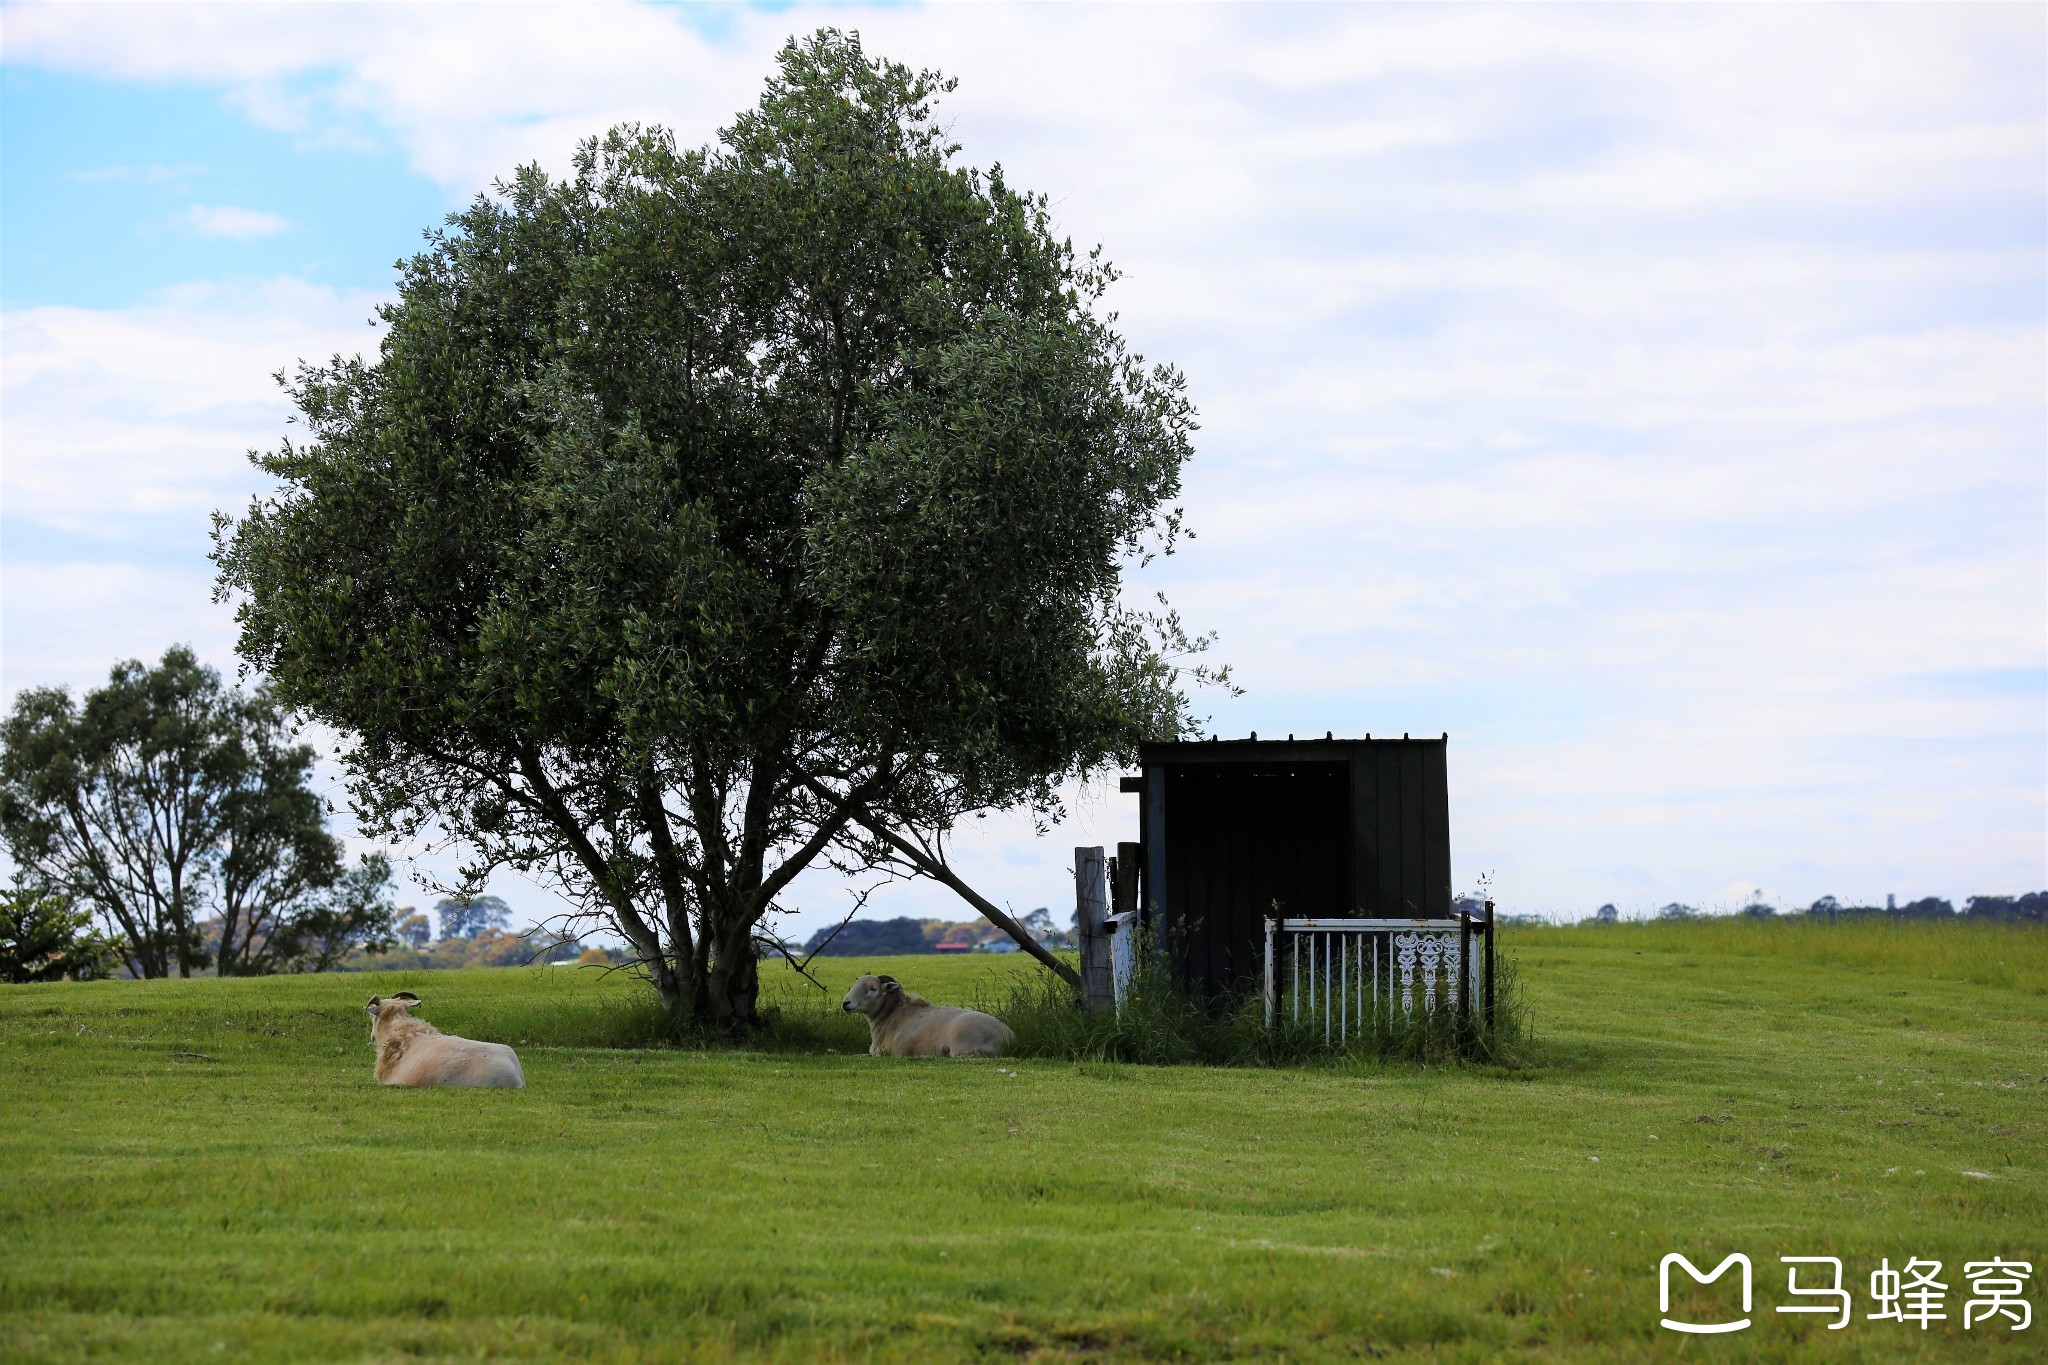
x: 1327, y: 828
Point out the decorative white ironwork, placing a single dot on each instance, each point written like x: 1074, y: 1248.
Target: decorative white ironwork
x: 1333, y: 976
x: 1406, y: 948
x: 1432, y: 958
x: 1345, y: 973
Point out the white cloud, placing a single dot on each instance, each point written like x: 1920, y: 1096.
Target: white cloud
x: 127, y: 427
x: 1653, y: 399
x: 235, y: 224
x: 69, y: 622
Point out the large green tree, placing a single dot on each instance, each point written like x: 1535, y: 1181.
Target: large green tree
x: 181, y: 813
x: 718, y: 511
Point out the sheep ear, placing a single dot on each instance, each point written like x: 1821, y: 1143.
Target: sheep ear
x: 890, y: 986
x: 371, y: 1008
x: 408, y: 997
x: 885, y: 980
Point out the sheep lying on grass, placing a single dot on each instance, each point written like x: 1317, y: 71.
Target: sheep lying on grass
x: 904, y: 1025
x: 413, y: 1052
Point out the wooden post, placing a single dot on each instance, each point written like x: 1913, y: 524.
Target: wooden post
x: 1489, y: 969
x: 1123, y: 891
x: 1091, y: 908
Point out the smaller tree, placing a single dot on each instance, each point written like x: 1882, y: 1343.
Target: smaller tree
x: 42, y: 938
x: 414, y: 929
x: 351, y: 914
x: 117, y: 804
x: 166, y: 796
x: 468, y: 916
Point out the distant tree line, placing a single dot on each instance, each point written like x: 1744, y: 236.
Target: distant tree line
x: 474, y: 933
x: 896, y: 937
x: 2030, y: 908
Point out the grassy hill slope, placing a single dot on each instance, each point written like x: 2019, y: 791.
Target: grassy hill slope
x: 206, y: 1170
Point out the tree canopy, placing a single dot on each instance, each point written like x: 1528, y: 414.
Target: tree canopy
x: 468, y: 916
x: 716, y: 511
x: 179, y: 811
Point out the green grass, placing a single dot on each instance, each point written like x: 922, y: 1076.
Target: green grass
x: 205, y: 1170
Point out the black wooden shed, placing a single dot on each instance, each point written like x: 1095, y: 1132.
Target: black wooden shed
x: 1337, y: 828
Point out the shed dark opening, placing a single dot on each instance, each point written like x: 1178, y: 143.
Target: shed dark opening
x: 1325, y: 828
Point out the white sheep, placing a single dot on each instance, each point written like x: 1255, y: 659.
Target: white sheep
x: 904, y: 1025
x: 413, y: 1052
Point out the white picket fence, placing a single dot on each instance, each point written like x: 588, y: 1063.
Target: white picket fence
x: 1350, y: 974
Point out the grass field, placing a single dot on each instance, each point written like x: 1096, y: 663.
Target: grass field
x: 205, y: 1170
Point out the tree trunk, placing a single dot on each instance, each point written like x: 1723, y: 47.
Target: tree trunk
x: 681, y: 997
x: 716, y: 987
x: 735, y: 982
x: 677, y: 976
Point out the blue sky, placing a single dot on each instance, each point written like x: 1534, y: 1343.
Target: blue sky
x: 106, y: 184
x: 1651, y: 397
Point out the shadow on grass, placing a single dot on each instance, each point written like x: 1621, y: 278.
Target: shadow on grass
x: 1161, y: 1023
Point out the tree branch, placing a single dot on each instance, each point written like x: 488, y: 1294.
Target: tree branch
x: 586, y: 853
x: 827, y: 830
x: 938, y: 871
x: 669, y: 865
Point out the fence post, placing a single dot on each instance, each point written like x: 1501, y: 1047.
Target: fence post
x: 1488, y: 987
x: 1269, y: 971
x: 1464, y: 967
x: 1091, y: 908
